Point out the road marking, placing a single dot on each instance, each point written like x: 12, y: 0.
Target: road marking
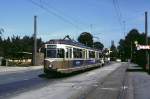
x: 26, y: 79
x: 124, y: 87
x: 111, y: 89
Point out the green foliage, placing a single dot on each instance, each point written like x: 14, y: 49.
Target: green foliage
x: 98, y: 45
x: 114, y: 52
x: 125, y: 45
x: 127, y: 48
x: 13, y: 47
x: 86, y: 38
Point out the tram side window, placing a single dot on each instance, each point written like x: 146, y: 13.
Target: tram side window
x: 77, y: 53
x: 97, y: 55
x: 83, y: 54
x: 60, y: 53
x: 100, y: 55
x: 69, y: 53
x: 91, y: 54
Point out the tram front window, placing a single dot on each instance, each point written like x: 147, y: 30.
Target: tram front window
x: 51, y: 53
x: 55, y: 53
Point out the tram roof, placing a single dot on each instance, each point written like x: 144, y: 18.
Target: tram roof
x: 68, y: 42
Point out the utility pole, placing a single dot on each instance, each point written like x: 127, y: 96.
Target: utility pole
x: 124, y: 28
x: 34, y: 54
x: 146, y: 39
x: 131, y: 52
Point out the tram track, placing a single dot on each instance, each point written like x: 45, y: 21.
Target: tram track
x: 124, y: 87
x: 113, y: 86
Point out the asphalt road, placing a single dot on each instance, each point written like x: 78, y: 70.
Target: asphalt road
x: 28, y: 84
x: 9, y: 77
x: 12, y: 84
x: 113, y: 86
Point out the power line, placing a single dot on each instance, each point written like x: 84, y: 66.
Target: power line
x: 118, y: 12
x: 54, y: 13
x: 61, y: 13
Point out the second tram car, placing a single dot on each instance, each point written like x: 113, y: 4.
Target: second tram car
x: 67, y: 56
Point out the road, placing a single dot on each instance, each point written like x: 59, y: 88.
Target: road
x: 28, y: 84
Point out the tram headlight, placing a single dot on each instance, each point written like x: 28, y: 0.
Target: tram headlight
x: 50, y: 65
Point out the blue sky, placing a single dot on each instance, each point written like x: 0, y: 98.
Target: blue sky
x: 72, y: 17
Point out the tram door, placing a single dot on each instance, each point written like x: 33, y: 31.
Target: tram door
x: 69, y: 57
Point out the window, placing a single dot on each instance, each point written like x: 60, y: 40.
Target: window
x: 60, y: 53
x: 55, y: 53
x: 83, y: 53
x: 97, y: 55
x: 100, y: 55
x: 51, y: 53
x: 77, y: 53
x: 91, y: 54
x: 69, y: 53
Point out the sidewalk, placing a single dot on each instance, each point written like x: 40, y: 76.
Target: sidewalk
x: 15, y: 69
x: 140, y: 82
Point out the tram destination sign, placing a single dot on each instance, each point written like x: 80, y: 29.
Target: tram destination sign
x: 51, y: 46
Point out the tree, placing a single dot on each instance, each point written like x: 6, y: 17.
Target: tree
x: 98, y: 45
x: 121, y: 49
x: 10, y: 47
x: 114, y: 52
x: 127, y: 48
x: 1, y: 47
x: 86, y: 38
x: 126, y: 45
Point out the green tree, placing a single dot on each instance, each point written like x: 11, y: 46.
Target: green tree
x: 1, y: 46
x: 12, y: 48
x: 86, y: 38
x: 98, y: 45
x: 127, y: 48
x: 121, y: 49
x: 114, y: 52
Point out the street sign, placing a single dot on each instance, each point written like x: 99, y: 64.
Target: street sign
x: 139, y: 47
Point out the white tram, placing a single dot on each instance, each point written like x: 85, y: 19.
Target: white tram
x: 67, y: 56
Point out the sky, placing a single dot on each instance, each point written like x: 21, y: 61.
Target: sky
x: 106, y: 20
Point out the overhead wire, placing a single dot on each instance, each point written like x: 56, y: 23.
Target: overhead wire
x: 62, y: 13
x: 39, y: 4
x: 118, y: 11
x: 125, y: 20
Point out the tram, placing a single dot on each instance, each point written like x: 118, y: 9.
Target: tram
x: 67, y: 56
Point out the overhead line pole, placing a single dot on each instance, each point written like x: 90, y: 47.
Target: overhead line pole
x: 131, y: 56
x: 35, y: 42
x: 124, y: 28
x: 146, y: 41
